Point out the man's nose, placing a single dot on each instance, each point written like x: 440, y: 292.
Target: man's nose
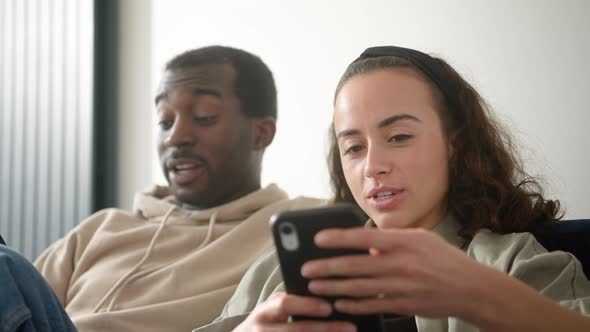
x: 182, y: 133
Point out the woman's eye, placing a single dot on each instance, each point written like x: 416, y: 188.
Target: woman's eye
x: 165, y: 124
x: 400, y: 138
x: 205, y: 120
x: 353, y: 149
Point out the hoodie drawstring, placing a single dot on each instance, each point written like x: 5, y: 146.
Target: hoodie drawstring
x: 209, y: 235
x: 124, y: 280
x: 130, y: 276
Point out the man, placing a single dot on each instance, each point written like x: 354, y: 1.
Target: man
x: 175, y: 260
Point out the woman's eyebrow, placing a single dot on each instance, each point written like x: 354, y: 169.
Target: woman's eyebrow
x: 347, y: 132
x: 384, y: 123
x: 395, y: 118
x: 159, y: 97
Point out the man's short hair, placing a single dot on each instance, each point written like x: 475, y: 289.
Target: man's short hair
x: 254, y: 85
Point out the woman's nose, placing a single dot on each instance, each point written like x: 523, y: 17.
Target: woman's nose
x: 376, y: 162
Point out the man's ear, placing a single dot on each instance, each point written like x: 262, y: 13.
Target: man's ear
x: 264, y: 132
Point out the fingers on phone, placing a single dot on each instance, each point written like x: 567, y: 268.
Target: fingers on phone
x: 294, y: 305
x: 281, y: 305
x: 314, y: 326
x: 272, y: 315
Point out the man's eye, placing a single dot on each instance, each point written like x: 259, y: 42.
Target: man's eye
x: 205, y: 120
x: 165, y: 124
x: 353, y: 149
x: 400, y: 138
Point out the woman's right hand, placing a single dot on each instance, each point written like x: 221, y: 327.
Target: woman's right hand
x: 273, y: 315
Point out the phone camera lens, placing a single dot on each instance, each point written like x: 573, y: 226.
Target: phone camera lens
x: 288, y: 235
x: 287, y: 229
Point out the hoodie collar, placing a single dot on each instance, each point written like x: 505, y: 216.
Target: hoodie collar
x: 448, y: 229
x: 153, y: 203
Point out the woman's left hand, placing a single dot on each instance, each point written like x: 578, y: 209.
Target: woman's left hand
x: 409, y: 271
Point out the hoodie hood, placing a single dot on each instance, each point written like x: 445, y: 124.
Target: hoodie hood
x: 159, y: 206
x: 155, y: 202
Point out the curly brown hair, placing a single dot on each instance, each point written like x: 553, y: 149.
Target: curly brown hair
x: 488, y: 186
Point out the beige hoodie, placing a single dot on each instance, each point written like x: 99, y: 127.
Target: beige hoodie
x: 160, y: 268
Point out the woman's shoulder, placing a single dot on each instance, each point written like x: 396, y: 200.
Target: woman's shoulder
x: 556, y: 274
x: 507, y: 251
x: 496, y: 249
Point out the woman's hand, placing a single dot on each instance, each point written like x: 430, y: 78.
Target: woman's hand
x: 416, y: 272
x: 273, y: 314
x: 409, y: 271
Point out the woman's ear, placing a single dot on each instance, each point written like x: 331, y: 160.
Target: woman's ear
x: 451, y: 145
x: 264, y: 132
x: 451, y: 150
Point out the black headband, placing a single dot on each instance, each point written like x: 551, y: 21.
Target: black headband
x: 424, y: 62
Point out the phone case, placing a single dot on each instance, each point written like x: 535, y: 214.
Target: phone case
x: 292, y: 253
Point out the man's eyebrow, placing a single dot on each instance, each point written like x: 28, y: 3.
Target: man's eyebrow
x: 395, y: 118
x: 206, y: 92
x: 384, y: 123
x: 194, y: 92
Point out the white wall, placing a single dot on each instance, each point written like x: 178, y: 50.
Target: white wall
x: 529, y: 58
x: 135, y: 123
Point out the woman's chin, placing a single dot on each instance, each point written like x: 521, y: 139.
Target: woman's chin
x: 393, y: 220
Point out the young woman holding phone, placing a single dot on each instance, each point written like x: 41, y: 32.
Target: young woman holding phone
x: 414, y: 145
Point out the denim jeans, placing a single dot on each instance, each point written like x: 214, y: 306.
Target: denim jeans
x: 27, y: 303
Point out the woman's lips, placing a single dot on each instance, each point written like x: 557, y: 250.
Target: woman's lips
x: 386, y: 200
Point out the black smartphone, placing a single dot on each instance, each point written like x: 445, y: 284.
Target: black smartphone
x: 293, y: 233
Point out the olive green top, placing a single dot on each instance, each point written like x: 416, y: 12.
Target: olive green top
x: 557, y: 275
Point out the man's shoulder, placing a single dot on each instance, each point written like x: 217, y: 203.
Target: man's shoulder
x: 300, y: 202
x: 308, y: 202
x: 288, y: 204
x: 78, y: 238
x: 109, y: 215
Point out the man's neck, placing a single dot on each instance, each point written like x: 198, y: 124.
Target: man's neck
x: 247, y: 190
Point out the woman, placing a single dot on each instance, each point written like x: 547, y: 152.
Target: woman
x: 415, y: 147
